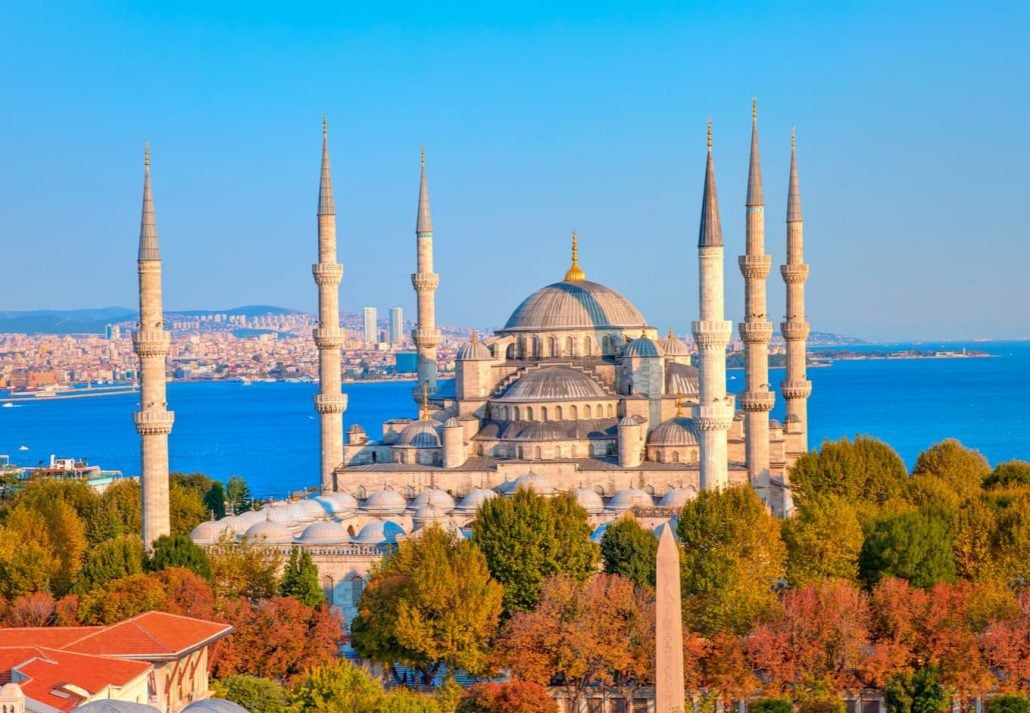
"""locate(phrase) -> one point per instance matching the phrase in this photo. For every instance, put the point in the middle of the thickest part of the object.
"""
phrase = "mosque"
(575, 393)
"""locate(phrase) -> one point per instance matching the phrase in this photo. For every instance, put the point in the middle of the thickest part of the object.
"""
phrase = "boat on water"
(8, 404)
(245, 381)
(23, 448)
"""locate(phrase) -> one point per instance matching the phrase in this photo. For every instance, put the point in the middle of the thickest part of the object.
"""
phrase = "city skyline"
(617, 158)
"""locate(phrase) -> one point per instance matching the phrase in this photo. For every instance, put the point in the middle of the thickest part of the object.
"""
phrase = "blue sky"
(538, 117)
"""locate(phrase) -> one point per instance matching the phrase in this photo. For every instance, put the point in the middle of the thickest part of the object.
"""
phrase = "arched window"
(611, 412)
(588, 346)
(536, 453)
(570, 347)
(534, 347)
(519, 452)
(675, 456)
(600, 411)
(509, 353)
(543, 413)
(515, 413)
(529, 413)
(573, 412)
(409, 492)
(586, 411)
(558, 413)
(361, 492)
(553, 346)
(607, 345)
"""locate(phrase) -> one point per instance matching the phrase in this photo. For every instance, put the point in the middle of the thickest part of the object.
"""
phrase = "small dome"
(311, 508)
(682, 380)
(436, 497)
(631, 420)
(642, 347)
(674, 432)
(428, 513)
(554, 383)
(270, 532)
(326, 532)
(385, 502)
(475, 499)
(452, 423)
(284, 513)
(536, 482)
(589, 500)
(211, 531)
(598, 532)
(775, 425)
(214, 705)
(244, 520)
(338, 502)
(674, 346)
(474, 351)
(677, 497)
(356, 428)
(629, 499)
(379, 532)
(420, 434)
(108, 705)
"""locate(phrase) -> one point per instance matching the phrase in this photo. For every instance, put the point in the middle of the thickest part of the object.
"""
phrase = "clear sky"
(537, 117)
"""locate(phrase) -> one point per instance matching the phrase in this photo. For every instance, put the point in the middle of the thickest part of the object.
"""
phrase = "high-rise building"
(112, 331)
(396, 326)
(371, 332)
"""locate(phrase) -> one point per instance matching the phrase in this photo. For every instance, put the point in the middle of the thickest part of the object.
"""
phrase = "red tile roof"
(54, 637)
(151, 635)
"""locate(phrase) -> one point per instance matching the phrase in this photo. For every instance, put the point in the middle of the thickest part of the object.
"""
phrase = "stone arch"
(574, 412)
(534, 346)
(362, 493)
(558, 413)
(543, 413)
(515, 413)
(536, 454)
(676, 456)
(600, 411)
(588, 346)
(586, 411)
(611, 411)
(509, 352)
(570, 346)
(552, 346)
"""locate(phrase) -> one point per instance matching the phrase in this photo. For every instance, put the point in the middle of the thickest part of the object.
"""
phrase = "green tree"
(26, 565)
(255, 694)
(961, 468)
(1011, 551)
(120, 511)
(916, 692)
(629, 550)
(770, 705)
(431, 603)
(300, 579)
(863, 471)
(402, 700)
(1007, 704)
(975, 547)
(732, 558)
(1012, 473)
(527, 538)
(337, 687)
(930, 491)
(194, 483)
(917, 546)
(243, 569)
(118, 557)
(214, 500)
(186, 508)
(823, 539)
(55, 526)
(179, 551)
(238, 494)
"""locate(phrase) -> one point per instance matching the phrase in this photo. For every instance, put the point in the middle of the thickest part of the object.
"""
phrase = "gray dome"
(642, 347)
(631, 420)
(420, 434)
(286, 513)
(326, 532)
(475, 499)
(630, 498)
(474, 351)
(379, 532)
(682, 380)
(428, 513)
(678, 497)
(214, 705)
(338, 502)
(311, 507)
(536, 482)
(452, 423)
(674, 432)
(554, 383)
(674, 346)
(246, 519)
(270, 533)
(589, 500)
(385, 501)
(113, 706)
(578, 304)
(436, 497)
(210, 531)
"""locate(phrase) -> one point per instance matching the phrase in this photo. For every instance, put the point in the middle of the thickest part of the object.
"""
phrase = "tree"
(244, 569)
(336, 687)
(629, 550)
(916, 546)
(300, 579)
(975, 544)
(402, 700)
(54, 539)
(431, 603)
(510, 697)
(1011, 542)
(179, 551)
(214, 500)
(32, 609)
(916, 692)
(173, 590)
(118, 557)
(1007, 704)
(186, 508)
(194, 483)
(731, 559)
(770, 705)
(27, 563)
(527, 538)
(961, 468)
(865, 471)
(238, 494)
(1012, 473)
(823, 539)
(120, 512)
(255, 694)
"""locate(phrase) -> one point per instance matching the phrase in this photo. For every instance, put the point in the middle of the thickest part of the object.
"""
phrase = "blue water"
(268, 432)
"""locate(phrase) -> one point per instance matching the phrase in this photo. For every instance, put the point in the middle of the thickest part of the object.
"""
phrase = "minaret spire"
(575, 273)
(714, 410)
(756, 330)
(330, 403)
(153, 420)
(796, 387)
(425, 336)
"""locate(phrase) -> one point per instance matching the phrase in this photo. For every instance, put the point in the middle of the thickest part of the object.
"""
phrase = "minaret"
(330, 403)
(756, 331)
(154, 420)
(796, 387)
(714, 411)
(425, 335)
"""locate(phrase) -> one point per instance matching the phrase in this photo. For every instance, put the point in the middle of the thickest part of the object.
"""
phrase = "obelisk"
(669, 689)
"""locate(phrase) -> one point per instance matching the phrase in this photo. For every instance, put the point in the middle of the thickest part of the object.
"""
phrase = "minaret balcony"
(709, 334)
(756, 401)
(794, 274)
(755, 267)
(755, 332)
(794, 331)
(153, 423)
(327, 273)
(717, 416)
(797, 389)
(151, 342)
(425, 281)
(328, 338)
(426, 338)
(330, 403)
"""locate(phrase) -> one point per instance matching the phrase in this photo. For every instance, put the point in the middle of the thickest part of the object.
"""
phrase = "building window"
(558, 413)
(586, 411)
(588, 346)
(543, 413)
(570, 347)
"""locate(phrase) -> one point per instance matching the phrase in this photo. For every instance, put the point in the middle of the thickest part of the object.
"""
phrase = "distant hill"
(93, 321)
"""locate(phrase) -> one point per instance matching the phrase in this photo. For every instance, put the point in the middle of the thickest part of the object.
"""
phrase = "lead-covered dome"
(269, 532)
(326, 532)
(643, 347)
(385, 502)
(420, 434)
(630, 498)
(379, 532)
(575, 304)
(554, 383)
(674, 432)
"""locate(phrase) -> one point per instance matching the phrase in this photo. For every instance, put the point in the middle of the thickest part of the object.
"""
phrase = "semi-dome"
(574, 304)
(326, 532)
(436, 497)
(589, 500)
(338, 502)
(385, 501)
(677, 497)
(379, 532)
(420, 434)
(643, 347)
(270, 533)
(674, 346)
(210, 531)
(475, 499)
(536, 482)
(674, 432)
(554, 383)
(682, 380)
(630, 498)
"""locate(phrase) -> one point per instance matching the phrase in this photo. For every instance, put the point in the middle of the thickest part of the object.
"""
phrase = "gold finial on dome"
(475, 336)
(424, 411)
(679, 404)
(671, 335)
(574, 273)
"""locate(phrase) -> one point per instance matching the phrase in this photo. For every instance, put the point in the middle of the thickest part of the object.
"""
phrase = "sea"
(268, 431)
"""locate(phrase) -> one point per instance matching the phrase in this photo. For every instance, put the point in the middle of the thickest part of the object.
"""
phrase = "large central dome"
(574, 304)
